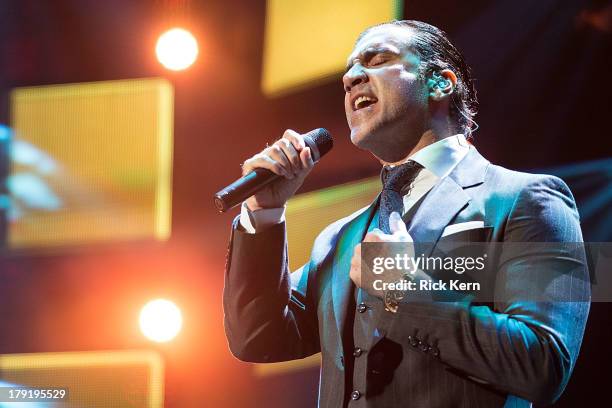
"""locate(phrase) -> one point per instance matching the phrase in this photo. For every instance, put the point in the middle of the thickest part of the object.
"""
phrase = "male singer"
(410, 101)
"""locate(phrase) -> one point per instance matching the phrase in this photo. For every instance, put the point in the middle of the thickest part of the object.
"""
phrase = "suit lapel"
(446, 199)
(352, 234)
(440, 206)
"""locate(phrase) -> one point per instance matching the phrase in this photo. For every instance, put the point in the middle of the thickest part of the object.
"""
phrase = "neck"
(440, 127)
(427, 138)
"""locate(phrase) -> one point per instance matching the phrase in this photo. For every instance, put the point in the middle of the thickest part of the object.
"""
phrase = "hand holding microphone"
(271, 177)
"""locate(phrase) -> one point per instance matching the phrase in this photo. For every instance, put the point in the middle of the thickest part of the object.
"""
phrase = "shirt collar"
(442, 156)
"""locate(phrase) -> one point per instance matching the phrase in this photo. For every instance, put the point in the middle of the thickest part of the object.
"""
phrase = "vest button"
(355, 395)
(362, 307)
(357, 352)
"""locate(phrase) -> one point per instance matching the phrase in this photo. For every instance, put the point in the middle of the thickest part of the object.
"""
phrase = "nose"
(354, 76)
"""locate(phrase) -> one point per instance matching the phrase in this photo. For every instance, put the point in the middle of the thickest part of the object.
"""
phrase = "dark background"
(542, 73)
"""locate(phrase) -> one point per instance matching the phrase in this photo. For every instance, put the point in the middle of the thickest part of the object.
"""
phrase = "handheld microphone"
(320, 142)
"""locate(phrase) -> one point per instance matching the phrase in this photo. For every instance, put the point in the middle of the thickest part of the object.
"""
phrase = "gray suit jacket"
(436, 354)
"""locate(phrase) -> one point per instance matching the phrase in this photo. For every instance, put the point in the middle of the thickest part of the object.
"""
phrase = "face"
(386, 101)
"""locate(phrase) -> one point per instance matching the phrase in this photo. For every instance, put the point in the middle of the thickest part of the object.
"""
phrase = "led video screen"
(298, 50)
(90, 162)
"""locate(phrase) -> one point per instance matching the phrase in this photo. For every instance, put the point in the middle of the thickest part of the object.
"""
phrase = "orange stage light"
(160, 320)
(176, 49)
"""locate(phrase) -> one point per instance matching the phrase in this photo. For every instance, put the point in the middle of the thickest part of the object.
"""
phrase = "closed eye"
(378, 59)
(373, 57)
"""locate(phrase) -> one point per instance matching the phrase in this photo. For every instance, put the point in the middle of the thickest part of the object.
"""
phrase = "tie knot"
(401, 176)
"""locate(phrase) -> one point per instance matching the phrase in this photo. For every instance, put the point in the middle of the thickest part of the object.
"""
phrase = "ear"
(441, 84)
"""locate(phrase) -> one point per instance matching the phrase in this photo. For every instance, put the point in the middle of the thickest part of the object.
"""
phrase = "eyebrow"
(371, 51)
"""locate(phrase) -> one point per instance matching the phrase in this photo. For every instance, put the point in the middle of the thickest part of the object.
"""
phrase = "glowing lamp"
(176, 49)
(160, 320)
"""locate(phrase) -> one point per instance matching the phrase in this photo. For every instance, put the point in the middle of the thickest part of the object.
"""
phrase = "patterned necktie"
(397, 182)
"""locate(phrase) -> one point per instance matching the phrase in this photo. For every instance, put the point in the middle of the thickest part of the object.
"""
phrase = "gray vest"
(364, 371)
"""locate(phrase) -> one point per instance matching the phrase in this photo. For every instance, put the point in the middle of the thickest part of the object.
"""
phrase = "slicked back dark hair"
(438, 53)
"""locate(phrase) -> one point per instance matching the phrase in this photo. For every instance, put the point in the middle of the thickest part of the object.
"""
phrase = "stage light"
(176, 49)
(160, 320)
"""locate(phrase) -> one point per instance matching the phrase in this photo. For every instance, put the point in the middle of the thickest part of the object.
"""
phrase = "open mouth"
(363, 102)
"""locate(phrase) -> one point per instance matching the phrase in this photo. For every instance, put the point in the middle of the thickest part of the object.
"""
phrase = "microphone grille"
(319, 140)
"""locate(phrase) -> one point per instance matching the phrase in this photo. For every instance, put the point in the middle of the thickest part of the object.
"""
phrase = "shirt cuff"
(253, 221)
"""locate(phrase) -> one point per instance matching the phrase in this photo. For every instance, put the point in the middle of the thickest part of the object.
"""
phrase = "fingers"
(264, 161)
(398, 230)
(287, 157)
(306, 159)
(295, 149)
(295, 138)
(277, 153)
(396, 224)
(375, 235)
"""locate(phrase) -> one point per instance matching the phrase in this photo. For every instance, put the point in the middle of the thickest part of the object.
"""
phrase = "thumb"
(396, 224)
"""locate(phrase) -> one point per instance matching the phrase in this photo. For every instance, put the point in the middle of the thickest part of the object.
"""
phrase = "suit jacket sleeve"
(519, 347)
(267, 318)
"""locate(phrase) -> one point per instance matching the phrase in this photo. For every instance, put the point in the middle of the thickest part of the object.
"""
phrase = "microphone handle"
(243, 188)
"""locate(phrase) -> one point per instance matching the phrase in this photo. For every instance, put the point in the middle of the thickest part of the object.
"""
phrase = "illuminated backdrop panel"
(308, 41)
(90, 162)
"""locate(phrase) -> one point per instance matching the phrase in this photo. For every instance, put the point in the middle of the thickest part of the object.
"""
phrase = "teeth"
(362, 99)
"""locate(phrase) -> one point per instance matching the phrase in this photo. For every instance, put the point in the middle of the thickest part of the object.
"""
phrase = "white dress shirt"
(438, 160)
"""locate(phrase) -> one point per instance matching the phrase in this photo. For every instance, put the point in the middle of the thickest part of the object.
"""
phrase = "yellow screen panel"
(90, 162)
(94, 379)
(308, 41)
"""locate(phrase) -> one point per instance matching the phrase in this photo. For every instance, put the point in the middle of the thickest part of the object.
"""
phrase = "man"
(410, 101)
